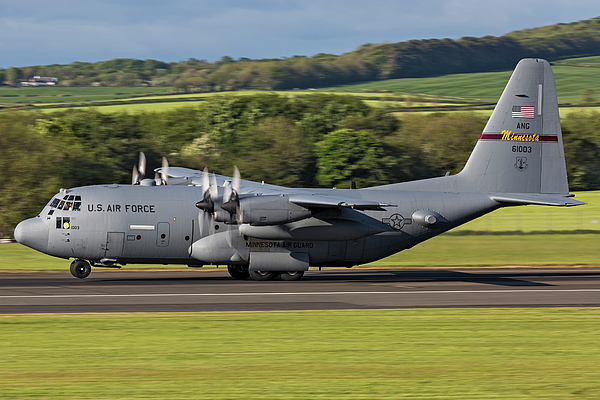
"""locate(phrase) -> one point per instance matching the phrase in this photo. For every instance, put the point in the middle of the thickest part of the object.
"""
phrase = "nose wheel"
(80, 269)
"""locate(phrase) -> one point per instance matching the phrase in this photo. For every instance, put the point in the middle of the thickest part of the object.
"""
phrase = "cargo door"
(114, 244)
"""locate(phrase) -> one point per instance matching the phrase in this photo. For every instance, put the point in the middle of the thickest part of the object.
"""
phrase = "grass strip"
(500, 250)
(383, 354)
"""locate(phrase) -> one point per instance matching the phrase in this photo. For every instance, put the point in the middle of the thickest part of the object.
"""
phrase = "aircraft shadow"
(499, 278)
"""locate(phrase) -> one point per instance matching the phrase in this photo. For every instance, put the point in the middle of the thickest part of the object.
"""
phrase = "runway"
(214, 290)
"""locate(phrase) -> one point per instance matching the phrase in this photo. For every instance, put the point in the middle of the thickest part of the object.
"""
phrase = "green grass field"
(533, 353)
(488, 86)
(540, 218)
(63, 94)
(592, 61)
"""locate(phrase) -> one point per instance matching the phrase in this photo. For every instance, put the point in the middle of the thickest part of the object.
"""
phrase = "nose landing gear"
(80, 269)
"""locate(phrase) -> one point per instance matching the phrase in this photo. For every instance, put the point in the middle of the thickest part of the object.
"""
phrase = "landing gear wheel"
(263, 275)
(80, 269)
(291, 275)
(239, 272)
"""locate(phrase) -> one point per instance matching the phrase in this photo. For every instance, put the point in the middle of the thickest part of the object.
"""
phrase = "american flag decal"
(523, 112)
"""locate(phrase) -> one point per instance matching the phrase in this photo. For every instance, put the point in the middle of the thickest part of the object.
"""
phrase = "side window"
(63, 222)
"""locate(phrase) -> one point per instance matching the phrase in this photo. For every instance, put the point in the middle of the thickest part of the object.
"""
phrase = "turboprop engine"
(264, 210)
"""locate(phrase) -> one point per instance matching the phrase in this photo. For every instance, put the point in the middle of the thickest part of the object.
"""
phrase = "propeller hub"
(206, 205)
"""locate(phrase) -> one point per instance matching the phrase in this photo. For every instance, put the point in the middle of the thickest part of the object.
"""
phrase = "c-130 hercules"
(265, 231)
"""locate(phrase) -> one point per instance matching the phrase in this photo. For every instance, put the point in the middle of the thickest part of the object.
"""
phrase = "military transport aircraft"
(264, 231)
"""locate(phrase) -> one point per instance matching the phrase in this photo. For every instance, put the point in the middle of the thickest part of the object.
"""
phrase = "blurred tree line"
(311, 141)
(415, 58)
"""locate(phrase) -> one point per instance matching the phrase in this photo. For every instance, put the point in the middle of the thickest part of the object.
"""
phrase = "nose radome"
(33, 233)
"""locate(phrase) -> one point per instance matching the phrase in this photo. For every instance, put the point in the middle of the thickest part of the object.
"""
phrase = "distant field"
(488, 86)
(62, 94)
(415, 93)
(131, 108)
(595, 61)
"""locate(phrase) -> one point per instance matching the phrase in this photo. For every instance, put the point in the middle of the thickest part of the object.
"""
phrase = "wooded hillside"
(415, 58)
(318, 140)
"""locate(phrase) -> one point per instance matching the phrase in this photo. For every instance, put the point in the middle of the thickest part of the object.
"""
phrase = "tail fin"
(521, 148)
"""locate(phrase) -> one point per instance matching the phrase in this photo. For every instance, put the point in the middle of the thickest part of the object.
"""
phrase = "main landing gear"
(242, 272)
(80, 269)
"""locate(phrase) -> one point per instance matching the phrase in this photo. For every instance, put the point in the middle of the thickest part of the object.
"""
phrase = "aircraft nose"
(33, 233)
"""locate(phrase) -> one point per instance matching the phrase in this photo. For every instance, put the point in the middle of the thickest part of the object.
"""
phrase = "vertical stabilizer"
(521, 147)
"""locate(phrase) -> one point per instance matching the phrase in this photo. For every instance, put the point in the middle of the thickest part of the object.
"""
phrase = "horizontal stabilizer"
(520, 199)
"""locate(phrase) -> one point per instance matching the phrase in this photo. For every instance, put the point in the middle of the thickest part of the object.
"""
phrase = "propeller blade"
(227, 190)
(157, 179)
(214, 190)
(164, 173)
(135, 176)
(201, 222)
(142, 165)
(205, 182)
(229, 237)
(236, 179)
(232, 205)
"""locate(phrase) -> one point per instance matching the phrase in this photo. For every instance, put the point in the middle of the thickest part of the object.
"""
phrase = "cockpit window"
(68, 203)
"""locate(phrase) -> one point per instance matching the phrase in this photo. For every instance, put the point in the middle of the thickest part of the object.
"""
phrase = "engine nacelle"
(313, 229)
(271, 210)
(218, 248)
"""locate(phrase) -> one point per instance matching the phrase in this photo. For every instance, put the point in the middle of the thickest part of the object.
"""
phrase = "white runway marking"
(296, 293)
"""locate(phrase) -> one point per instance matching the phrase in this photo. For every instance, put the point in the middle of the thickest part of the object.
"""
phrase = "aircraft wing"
(328, 201)
(180, 172)
(308, 200)
(188, 176)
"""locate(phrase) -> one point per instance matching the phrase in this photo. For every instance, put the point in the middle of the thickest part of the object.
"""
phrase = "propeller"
(209, 196)
(231, 198)
(230, 202)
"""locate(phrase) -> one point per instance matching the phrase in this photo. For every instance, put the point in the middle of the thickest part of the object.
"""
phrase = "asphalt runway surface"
(215, 290)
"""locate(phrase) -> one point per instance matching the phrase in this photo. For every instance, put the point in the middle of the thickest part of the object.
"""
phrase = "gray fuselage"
(159, 224)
